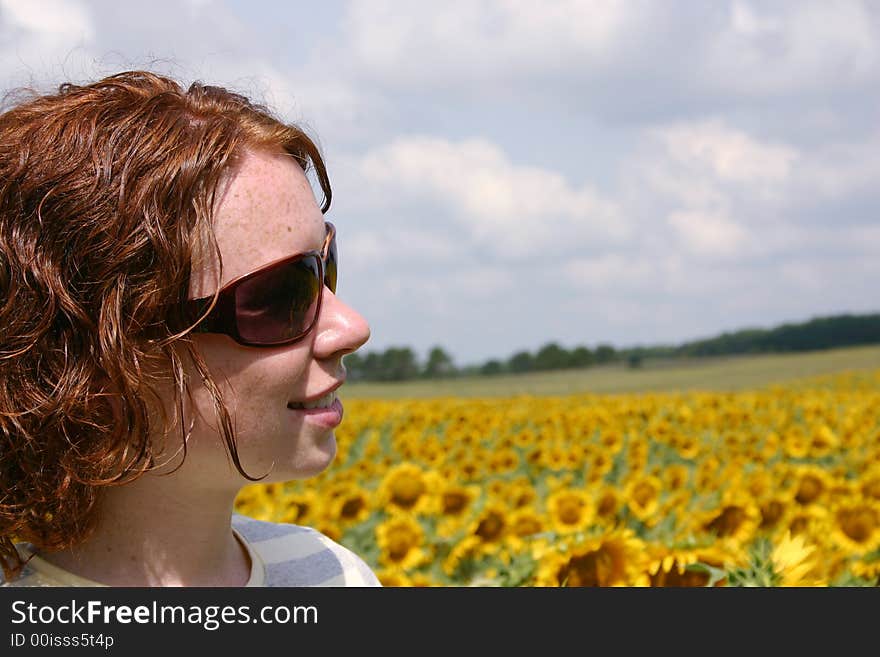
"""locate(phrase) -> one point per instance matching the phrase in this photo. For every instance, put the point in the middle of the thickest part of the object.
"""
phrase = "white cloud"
(611, 56)
(808, 45)
(611, 271)
(41, 36)
(744, 20)
(457, 40)
(723, 186)
(840, 169)
(57, 21)
(709, 235)
(409, 246)
(731, 155)
(514, 209)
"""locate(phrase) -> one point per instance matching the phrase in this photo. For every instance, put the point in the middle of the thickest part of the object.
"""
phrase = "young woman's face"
(268, 211)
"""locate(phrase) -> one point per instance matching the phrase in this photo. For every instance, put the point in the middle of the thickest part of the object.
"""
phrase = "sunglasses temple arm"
(210, 324)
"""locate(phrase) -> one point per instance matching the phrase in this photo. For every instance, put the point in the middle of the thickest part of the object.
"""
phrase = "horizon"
(421, 355)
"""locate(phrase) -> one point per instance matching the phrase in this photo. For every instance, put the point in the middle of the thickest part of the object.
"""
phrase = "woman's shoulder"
(295, 555)
(27, 577)
(37, 572)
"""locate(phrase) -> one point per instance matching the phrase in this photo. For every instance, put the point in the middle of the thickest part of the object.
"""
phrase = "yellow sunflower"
(705, 477)
(407, 487)
(524, 438)
(393, 577)
(675, 476)
(576, 457)
(796, 562)
(613, 559)
(520, 492)
(329, 528)
(642, 495)
(455, 499)
(759, 483)
(610, 441)
(599, 463)
(856, 526)
(570, 510)
(670, 565)
(300, 507)
(489, 527)
(796, 443)
(814, 521)
(503, 461)
(774, 511)
(609, 503)
(471, 468)
(259, 501)
(467, 548)
(401, 542)
(637, 455)
(810, 484)
(869, 485)
(555, 458)
(735, 519)
(432, 452)
(687, 445)
(823, 441)
(523, 526)
(422, 580)
(352, 506)
(768, 447)
(868, 568)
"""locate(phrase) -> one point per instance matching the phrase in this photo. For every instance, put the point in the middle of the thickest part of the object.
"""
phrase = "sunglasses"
(274, 305)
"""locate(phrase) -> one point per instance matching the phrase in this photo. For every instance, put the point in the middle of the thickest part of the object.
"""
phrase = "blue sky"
(508, 173)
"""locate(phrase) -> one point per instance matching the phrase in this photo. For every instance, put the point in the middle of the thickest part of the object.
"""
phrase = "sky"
(508, 173)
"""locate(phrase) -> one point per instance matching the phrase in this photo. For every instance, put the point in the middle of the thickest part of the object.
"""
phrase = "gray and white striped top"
(281, 555)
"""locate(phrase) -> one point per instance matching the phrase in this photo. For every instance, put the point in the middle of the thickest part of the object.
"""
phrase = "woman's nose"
(340, 330)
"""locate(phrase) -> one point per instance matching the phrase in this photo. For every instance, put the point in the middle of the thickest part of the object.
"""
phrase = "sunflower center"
(643, 494)
(811, 488)
(406, 491)
(490, 527)
(674, 578)
(523, 497)
(872, 489)
(454, 502)
(771, 513)
(526, 526)
(728, 521)
(400, 542)
(607, 505)
(592, 569)
(300, 510)
(352, 507)
(858, 524)
(677, 479)
(569, 511)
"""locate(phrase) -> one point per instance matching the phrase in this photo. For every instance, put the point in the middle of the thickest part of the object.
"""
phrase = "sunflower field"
(778, 486)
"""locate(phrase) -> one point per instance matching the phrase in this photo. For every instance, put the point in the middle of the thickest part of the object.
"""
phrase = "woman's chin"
(304, 466)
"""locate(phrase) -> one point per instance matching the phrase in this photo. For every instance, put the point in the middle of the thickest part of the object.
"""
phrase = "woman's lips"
(328, 417)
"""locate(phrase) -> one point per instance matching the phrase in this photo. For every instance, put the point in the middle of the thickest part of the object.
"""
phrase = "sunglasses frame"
(222, 317)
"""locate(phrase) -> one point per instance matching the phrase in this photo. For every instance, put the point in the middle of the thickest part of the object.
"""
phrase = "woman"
(170, 333)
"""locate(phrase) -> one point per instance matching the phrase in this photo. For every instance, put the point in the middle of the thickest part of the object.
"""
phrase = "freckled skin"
(268, 211)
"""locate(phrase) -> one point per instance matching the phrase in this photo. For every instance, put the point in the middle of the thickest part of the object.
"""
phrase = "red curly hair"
(106, 198)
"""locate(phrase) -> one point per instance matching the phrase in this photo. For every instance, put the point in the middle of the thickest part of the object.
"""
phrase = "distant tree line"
(818, 333)
(402, 363)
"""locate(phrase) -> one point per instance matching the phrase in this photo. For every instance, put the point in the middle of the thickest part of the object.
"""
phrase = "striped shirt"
(280, 554)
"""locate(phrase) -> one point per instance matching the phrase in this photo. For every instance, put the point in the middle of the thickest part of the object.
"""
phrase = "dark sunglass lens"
(279, 304)
(331, 266)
